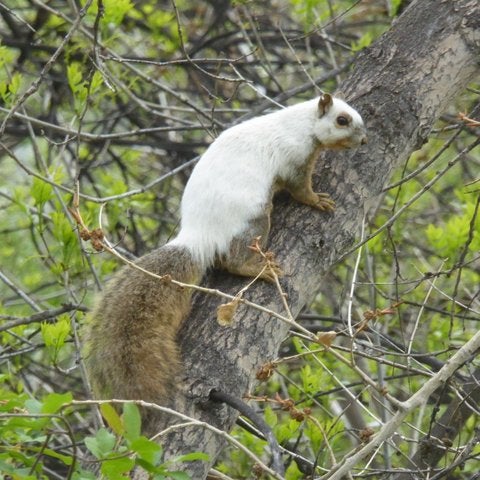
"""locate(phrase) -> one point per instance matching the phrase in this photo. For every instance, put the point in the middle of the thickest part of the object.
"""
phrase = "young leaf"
(33, 405)
(270, 416)
(15, 83)
(147, 450)
(74, 76)
(112, 418)
(191, 457)
(363, 42)
(115, 10)
(55, 334)
(66, 459)
(178, 476)
(132, 421)
(53, 401)
(115, 468)
(101, 444)
(65, 234)
(41, 191)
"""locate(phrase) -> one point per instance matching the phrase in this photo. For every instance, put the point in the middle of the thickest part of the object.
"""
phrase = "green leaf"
(394, 6)
(115, 10)
(4, 93)
(26, 423)
(132, 421)
(178, 476)
(101, 444)
(92, 444)
(147, 450)
(15, 472)
(33, 405)
(15, 83)
(64, 233)
(287, 430)
(270, 416)
(41, 191)
(83, 475)
(54, 401)
(112, 418)
(311, 379)
(75, 77)
(96, 82)
(11, 401)
(55, 334)
(115, 468)
(191, 457)
(6, 56)
(66, 459)
(362, 42)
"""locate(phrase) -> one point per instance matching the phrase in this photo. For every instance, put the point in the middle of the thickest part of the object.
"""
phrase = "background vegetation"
(105, 105)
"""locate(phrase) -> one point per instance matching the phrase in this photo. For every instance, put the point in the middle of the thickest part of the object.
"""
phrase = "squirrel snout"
(364, 141)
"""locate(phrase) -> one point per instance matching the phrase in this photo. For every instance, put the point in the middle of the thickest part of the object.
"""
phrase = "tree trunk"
(401, 84)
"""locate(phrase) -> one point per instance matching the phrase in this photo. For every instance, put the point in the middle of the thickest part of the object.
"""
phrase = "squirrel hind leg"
(253, 266)
(247, 255)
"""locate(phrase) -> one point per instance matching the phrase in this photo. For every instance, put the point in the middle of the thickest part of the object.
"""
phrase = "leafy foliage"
(106, 108)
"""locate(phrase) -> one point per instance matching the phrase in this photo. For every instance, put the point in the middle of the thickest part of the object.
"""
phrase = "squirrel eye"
(342, 121)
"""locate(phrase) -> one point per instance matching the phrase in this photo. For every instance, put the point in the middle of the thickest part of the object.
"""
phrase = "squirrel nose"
(364, 141)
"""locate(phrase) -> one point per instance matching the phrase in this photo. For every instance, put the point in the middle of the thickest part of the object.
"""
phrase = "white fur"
(232, 183)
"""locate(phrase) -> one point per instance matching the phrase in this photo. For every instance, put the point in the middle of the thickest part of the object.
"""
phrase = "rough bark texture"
(401, 84)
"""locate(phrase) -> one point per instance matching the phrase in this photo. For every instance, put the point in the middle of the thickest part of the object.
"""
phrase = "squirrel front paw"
(324, 202)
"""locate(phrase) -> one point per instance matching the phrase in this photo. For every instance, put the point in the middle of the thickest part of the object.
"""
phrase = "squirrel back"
(130, 341)
(236, 177)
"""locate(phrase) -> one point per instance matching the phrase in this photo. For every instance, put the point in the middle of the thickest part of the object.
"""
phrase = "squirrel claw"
(324, 202)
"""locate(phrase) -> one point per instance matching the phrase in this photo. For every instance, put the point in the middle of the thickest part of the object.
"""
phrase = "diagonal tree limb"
(414, 402)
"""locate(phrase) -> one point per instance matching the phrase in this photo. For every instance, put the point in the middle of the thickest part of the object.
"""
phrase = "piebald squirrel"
(130, 340)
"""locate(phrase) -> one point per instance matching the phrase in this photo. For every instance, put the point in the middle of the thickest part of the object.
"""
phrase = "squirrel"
(130, 349)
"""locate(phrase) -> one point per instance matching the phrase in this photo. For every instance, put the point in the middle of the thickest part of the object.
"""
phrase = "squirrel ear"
(324, 104)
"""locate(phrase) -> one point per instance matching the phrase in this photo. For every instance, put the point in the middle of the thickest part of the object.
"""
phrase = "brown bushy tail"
(130, 346)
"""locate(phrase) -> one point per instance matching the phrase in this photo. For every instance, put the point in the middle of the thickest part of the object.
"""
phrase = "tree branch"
(415, 401)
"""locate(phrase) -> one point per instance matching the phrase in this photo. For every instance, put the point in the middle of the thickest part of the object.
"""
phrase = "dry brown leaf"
(226, 311)
(326, 338)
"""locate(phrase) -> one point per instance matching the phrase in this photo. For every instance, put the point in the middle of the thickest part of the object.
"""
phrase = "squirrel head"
(338, 125)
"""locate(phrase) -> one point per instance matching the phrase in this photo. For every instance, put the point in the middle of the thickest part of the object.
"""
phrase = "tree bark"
(401, 84)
